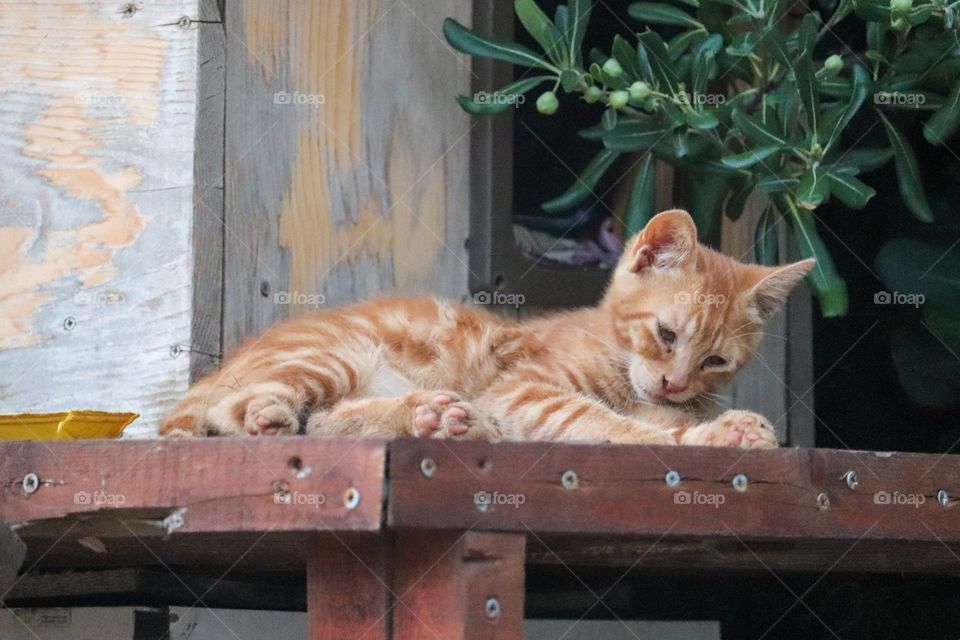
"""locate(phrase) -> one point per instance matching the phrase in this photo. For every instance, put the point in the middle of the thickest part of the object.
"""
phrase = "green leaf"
(706, 203)
(701, 120)
(751, 157)
(466, 41)
(908, 173)
(928, 372)
(826, 283)
(561, 18)
(626, 55)
(658, 13)
(850, 190)
(773, 183)
(609, 119)
(860, 161)
(944, 121)
(756, 132)
(861, 87)
(579, 17)
(872, 10)
(631, 135)
(813, 189)
(585, 184)
(680, 143)
(484, 103)
(679, 44)
(766, 239)
(744, 44)
(538, 25)
(641, 205)
(658, 57)
(570, 80)
(736, 200)
(703, 60)
(808, 90)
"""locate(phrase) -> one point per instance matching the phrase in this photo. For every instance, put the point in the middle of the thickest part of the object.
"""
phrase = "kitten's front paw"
(268, 416)
(442, 414)
(734, 428)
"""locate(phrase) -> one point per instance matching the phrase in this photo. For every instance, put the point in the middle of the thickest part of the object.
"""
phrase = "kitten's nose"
(671, 386)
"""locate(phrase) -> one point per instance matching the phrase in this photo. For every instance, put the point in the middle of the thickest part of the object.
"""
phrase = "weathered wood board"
(98, 105)
(347, 158)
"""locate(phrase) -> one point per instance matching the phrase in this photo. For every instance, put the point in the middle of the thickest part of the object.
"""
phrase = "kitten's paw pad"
(428, 410)
(740, 429)
(269, 417)
(463, 420)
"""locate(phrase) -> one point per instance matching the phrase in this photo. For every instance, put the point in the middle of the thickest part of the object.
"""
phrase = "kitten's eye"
(666, 335)
(714, 361)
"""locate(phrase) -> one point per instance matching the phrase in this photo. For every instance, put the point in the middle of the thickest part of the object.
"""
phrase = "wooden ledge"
(260, 504)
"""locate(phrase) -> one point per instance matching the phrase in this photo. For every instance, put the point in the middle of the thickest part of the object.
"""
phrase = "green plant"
(738, 98)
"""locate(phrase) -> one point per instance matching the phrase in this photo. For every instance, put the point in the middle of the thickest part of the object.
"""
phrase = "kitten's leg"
(733, 428)
(438, 414)
(542, 411)
(272, 402)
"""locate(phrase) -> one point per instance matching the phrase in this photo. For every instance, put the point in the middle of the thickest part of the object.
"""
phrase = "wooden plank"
(208, 170)
(791, 494)
(12, 552)
(174, 487)
(457, 586)
(96, 186)
(347, 588)
(337, 187)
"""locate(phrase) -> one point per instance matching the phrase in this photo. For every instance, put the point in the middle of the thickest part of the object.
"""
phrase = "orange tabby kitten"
(677, 321)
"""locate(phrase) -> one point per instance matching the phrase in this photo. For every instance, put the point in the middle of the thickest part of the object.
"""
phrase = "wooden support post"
(457, 586)
(347, 589)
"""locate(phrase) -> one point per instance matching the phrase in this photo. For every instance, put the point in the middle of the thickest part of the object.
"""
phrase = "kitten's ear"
(668, 241)
(775, 284)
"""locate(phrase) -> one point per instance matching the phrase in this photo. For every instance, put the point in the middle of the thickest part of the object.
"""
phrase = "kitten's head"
(686, 316)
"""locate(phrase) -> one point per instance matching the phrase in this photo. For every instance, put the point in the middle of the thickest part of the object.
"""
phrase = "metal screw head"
(264, 288)
(128, 10)
(943, 498)
(672, 478)
(740, 482)
(569, 480)
(184, 22)
(427, 467)
(30, 483)
(69, 323)
(823, 501)
(850, 477)
(175, 351)
(351, 498)
(492, 608)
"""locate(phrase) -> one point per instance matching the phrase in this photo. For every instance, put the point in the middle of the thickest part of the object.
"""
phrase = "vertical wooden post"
(454, 586)
(347, 589)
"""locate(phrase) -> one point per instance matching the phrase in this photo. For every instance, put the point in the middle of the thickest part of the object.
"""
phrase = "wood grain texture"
(212, 485)
(346, 158)
(792, 494)
(96, 188)
(348, 589)
(444, 580)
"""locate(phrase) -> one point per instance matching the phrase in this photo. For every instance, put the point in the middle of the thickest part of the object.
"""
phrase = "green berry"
(593, 94)
(901, 6)
(639, 90)
(612, 68)
(899, 24)
(834, 63)
(547, 103)
(651, 104)
(619, 99)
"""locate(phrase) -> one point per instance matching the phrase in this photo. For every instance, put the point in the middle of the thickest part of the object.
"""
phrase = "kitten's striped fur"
(676, 323)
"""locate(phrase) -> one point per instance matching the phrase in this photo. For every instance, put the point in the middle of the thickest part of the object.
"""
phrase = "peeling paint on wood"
(96, 186)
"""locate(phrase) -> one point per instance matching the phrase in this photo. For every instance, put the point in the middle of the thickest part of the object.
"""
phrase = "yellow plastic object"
(64, 425)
